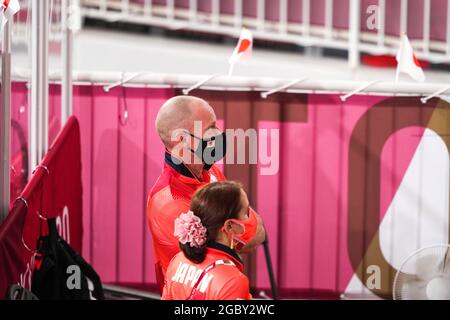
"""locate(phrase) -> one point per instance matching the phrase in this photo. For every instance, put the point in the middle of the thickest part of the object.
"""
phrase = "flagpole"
(230, 70)
(397, 74)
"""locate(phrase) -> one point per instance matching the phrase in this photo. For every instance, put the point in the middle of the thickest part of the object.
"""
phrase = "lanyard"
(205, 271)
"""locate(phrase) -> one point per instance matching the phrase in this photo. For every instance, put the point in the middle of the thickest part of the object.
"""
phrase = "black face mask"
(211, 154)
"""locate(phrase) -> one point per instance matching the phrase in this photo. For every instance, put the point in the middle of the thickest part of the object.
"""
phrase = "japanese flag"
(9, 9)
(243, 50)
(407, 61)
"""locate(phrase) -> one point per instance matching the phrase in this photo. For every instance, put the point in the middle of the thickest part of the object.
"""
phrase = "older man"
(187, 127)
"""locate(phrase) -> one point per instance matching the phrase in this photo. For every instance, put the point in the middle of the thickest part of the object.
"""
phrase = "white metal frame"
(436, 94)
(5, 139)
(284, 87)
(353, 39)
(260, 84)
(20, 31)
(200, 83)
(358, 90)
(304, 33)
(38, 134)
(122, 81)
(67, 47)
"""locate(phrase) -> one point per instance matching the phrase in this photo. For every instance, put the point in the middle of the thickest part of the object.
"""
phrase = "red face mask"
(249, 226)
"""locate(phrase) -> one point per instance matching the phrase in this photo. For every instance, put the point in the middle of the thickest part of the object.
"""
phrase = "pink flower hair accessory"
(189, 228)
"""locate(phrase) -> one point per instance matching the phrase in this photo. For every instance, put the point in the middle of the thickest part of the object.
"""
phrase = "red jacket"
(223, 282)
(170, 196)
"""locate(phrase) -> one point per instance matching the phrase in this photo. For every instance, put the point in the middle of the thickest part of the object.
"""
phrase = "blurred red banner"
(54, 190)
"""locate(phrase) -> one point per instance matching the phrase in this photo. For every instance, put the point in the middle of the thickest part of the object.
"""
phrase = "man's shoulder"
(168, 188)
(163, 186)
(164, 201)
(162, 182)
(216, 174)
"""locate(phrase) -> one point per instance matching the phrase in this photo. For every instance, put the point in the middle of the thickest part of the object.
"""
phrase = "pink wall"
(118, 159)
(305, 204)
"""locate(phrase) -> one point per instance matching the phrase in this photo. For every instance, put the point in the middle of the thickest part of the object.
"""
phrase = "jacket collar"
(183, 172)
(178, 167)
(227, 252)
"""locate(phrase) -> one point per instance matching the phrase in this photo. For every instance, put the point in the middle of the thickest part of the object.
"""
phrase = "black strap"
(52, 230)
(17, 292)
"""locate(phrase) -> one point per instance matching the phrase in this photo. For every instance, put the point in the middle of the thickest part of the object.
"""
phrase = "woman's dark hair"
(213, 204)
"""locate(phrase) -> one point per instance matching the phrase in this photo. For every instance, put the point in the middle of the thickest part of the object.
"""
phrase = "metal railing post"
(5, 140)
(353, 39)
(39, 82)
(66, 55)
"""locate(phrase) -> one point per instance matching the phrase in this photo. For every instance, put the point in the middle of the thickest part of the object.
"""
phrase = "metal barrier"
(327, 24)
(22, 22)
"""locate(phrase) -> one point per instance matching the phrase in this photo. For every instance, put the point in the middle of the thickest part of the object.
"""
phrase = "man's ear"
(177, 137)
(178, 140)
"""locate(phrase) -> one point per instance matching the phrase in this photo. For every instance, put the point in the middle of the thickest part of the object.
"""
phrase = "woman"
(207, 267)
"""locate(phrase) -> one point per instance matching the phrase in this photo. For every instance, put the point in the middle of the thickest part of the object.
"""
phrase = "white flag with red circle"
(243, 50)
(407, 61)
(9, 9)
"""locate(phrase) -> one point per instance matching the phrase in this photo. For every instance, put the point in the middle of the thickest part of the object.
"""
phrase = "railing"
(359, 26)
(369, 26)
(264, 85)
(22, 21)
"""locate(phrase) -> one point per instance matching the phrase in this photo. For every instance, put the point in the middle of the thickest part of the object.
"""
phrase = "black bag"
(60, 273)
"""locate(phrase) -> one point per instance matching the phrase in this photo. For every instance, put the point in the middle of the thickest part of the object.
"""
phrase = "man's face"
(203, 127)
(204, 115)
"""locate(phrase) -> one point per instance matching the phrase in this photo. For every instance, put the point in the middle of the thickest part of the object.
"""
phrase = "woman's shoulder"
(230, 283)
(227, 272)
(175, 261)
